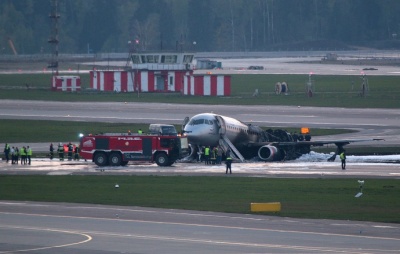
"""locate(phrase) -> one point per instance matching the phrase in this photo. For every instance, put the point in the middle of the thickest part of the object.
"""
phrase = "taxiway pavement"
(34, 227)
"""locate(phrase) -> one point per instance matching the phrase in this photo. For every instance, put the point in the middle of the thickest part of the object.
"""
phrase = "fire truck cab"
(117, 149)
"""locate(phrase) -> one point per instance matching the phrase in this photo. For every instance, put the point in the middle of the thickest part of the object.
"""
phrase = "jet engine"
(269, 153)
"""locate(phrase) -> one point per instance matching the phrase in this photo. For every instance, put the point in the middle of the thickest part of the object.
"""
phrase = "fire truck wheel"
(162, 159)
(115, 159)
(100, 159)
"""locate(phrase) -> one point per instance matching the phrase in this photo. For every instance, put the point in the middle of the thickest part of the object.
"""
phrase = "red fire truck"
(117, 149)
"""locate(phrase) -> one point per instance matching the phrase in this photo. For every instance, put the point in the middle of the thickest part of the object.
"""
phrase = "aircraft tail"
(226, 144)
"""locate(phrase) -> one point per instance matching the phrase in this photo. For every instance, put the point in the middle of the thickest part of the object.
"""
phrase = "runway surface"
(79, 228)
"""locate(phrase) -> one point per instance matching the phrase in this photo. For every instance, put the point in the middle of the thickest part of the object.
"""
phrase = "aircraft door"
(185, 121)
(221, 125)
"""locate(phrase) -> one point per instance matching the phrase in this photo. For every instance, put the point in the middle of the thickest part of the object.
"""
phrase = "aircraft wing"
(273, 150)
(341, 142)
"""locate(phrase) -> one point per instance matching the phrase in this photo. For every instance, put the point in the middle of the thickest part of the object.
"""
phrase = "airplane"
(248, 141)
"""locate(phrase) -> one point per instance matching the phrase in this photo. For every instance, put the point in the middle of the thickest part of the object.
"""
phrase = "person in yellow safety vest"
(228, 162)
(60, 150)
(343, 159)
(207, 155)
(29, 154)
(140, 131)
(23, 155)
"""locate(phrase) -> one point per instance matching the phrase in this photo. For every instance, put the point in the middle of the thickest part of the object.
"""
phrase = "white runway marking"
(88, 238)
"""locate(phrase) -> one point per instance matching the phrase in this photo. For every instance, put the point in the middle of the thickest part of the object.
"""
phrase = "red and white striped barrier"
(144, 81)
(66, 83)
(207, 85)
(161, 81)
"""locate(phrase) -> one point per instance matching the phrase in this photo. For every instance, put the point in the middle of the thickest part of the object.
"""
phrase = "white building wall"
(130, 82)
(95, 75)
(207, 85)
(117, 81)
(185, 85)
(101, 88)
(191, 85)
(220, 85)
(144, 81)
(64, 83)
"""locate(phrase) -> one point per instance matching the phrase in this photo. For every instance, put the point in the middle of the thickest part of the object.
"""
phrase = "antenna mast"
(53, 40)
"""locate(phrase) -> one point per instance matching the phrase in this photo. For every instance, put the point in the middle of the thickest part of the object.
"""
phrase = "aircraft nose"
(193, 136)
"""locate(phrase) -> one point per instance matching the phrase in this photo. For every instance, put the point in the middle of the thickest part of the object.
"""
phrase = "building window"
(187, 59)
(152, 58)
(169, 59)
(136, 59)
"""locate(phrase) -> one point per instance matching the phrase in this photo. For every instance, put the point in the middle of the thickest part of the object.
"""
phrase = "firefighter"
(12, 151)
(7, 151)
(76, 153)
(51, 151)
(70, 150)
(213, 156)
(219, 155)
(16, 154)
(60, 150)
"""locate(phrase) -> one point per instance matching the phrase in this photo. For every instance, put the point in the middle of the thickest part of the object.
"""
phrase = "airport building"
(161, 72)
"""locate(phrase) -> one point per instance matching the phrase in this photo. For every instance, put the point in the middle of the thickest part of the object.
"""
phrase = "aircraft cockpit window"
(209, 122)
(196, 121)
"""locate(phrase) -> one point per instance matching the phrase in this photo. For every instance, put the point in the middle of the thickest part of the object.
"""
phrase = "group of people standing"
(15, 154)
(213, 156)
(71, 151)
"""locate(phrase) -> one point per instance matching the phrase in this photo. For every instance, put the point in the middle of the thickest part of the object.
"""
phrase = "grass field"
(15, 131)
(301, 198)
(330, 91)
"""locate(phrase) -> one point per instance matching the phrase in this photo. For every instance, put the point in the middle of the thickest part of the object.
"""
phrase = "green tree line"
(104, 26)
